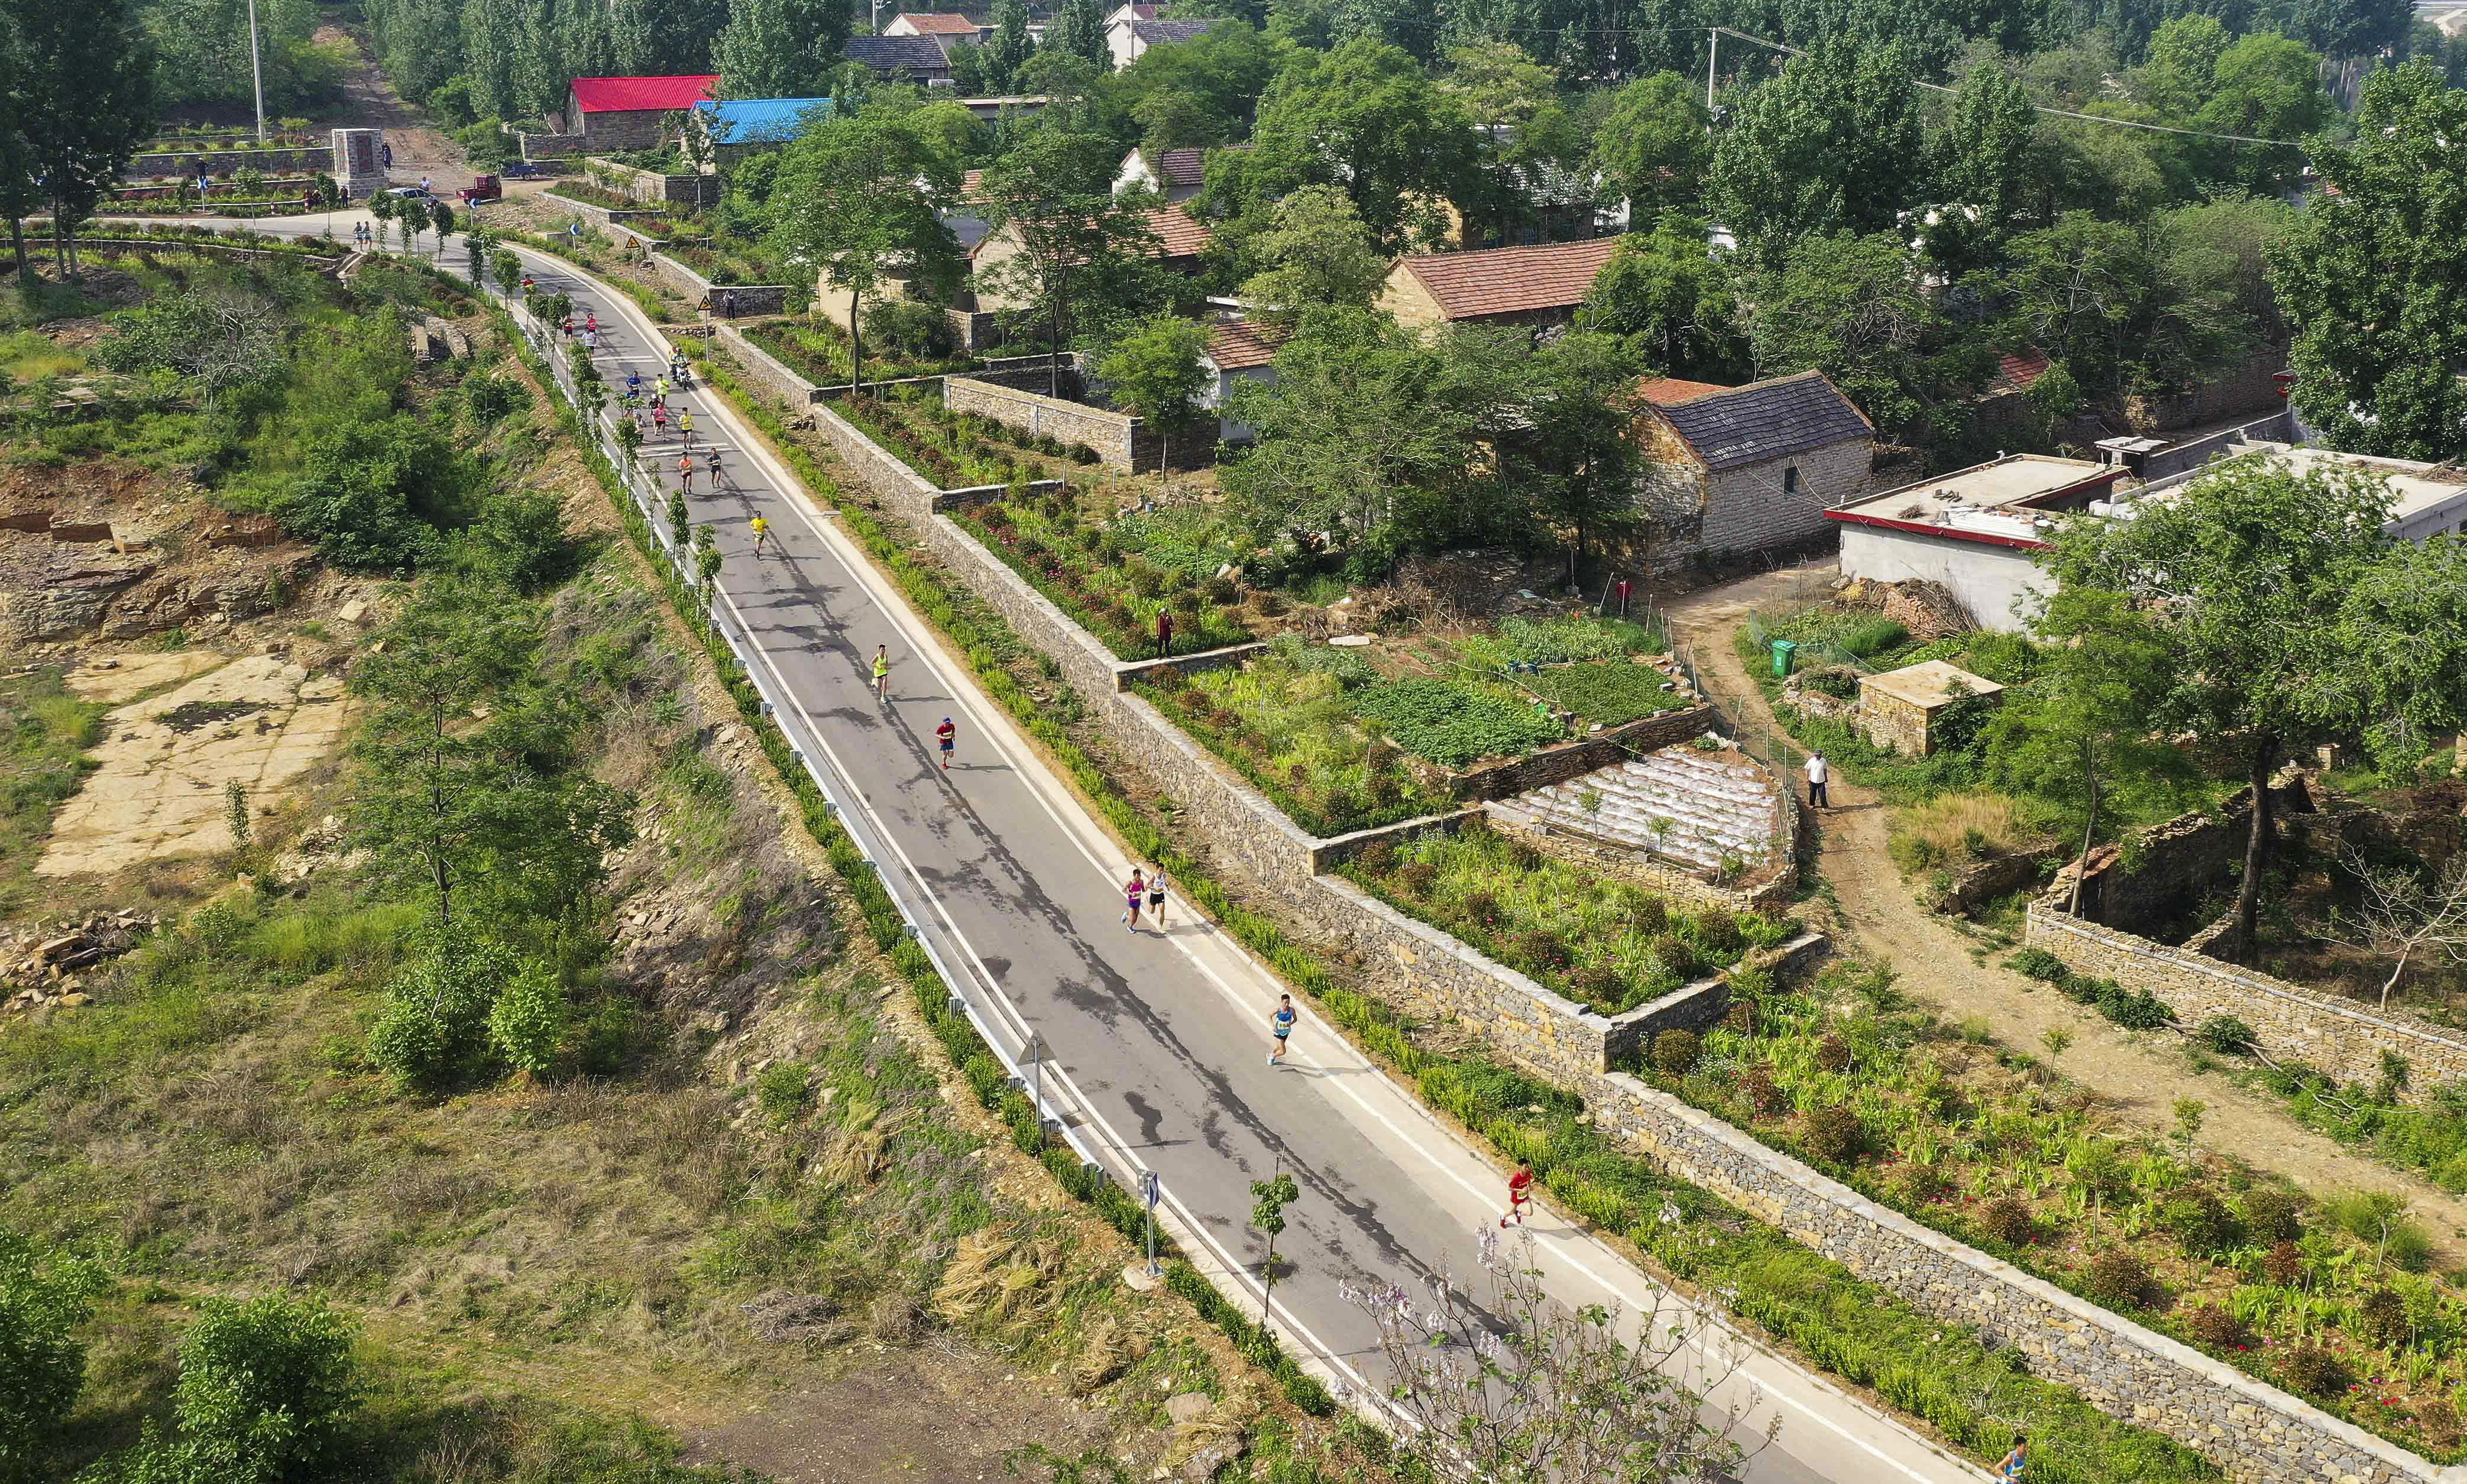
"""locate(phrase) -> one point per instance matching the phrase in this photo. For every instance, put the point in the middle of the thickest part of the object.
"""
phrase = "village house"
(1128, 39)
(910, 59)
(1174, 174)
(607, 115)
(1747, 468)
(1239, 350)
(947, 28)
(1536, 286)
(741, 126)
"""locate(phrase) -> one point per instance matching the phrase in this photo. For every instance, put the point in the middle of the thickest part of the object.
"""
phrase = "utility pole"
(1712, 66)
(256, 70)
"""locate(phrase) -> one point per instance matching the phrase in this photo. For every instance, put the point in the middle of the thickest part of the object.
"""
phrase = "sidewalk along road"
(1158, 1040)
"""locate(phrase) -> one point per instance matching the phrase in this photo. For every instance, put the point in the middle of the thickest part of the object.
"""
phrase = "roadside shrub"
(1920, 1184)
(2200, 1225)
(435, 1023)
(1480, 905)
(1598, 983)
(1675, 1053)
(265, 1389)
(2141, 1011)
(1673, 952)
(2039, 964)
(2119, 1279)
(1378, 859)
(1833, 1053)
(1719, 932)
(1223, 592)
(1762, 1089)
(1652, 914)
(1540, 950)
(2010, 1220)
(2225, 1035)
(2314, 1370)
(44, 1299)
(1740, 1017)
(1523, 857)
(1834, 1136)
(2438, 1419)
(782, 1091)
(2271, 1213)
(2214, 1326)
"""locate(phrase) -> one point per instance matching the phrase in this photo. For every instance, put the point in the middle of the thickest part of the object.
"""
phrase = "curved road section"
(1150, 1049)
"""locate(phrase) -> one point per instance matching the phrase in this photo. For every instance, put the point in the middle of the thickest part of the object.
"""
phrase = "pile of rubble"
(40, 967)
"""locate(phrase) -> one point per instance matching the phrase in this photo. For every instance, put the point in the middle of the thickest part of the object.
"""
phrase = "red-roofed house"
(626, 113)
(1539, 286)
(944, 26)
(1239, 350)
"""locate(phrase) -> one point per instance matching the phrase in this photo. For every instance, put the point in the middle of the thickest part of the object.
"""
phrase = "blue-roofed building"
(739, 126)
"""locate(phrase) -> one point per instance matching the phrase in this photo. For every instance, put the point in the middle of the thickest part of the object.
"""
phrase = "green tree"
(2265, 87)
(2253, 560)
(442, 797)
(1313, 253)
(779, 48)
(434, 1031)
(861, 197)
(1198, 93)
(2079, 732)
(1575, 457)
(1365, 119)
(1983, 156)
(267, 1388)
(86, 100)
(1828, 146)
(1523, 137)
(44, 1298)
(2370, 278)
(1850, 307)
(371, 492)
(1657, 144)
(21, 192)
(2182, 64)
(1053, 196)
(527, 1023)
(1010, 47)
(1081, 32)
(1674, 300)
(1269, 1199)
(1155, 372)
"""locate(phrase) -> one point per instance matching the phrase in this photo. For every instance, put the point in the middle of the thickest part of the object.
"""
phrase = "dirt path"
(371, 102)
(2138, 1074)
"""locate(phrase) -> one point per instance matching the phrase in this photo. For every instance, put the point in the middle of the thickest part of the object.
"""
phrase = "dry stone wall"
(2337, 1036)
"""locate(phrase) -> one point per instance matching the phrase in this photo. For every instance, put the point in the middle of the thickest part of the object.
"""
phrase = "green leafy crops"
(1452, 724)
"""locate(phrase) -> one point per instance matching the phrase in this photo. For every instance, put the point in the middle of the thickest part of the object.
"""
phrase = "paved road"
(1162, 1034)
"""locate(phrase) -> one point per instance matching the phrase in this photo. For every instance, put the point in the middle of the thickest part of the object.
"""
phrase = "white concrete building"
(1975, 533)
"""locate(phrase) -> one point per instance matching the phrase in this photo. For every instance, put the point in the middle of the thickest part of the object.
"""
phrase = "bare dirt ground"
(2138, 1075)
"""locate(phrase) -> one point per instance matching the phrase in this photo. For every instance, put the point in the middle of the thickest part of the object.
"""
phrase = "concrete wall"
(2278, 428)
(2324, 1031)
(1997, 584)
(2236, 390)
(2254, 1432)
(605, 132)
(647, 186)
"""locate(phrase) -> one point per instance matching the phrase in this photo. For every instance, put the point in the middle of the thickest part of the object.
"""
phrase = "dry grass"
(1957, 828)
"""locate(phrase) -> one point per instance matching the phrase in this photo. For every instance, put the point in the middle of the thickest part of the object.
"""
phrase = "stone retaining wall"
(659, 190)
(1608, 746)
(2334, 1035)
(750, 297)
(606, 216)
(768, 371)
(1122, 441)
(305, 160)
(2258, 1433)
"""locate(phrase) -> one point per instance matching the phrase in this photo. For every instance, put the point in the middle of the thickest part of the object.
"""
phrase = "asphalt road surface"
(1163, 1036)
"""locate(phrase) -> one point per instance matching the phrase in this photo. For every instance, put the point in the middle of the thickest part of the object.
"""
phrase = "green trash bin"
(1784, 650)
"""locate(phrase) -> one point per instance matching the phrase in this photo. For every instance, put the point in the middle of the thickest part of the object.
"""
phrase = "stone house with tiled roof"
(1536, 286)
(913, 58)
(609, 114)
(1129, 37)
(1751, 468)
(1239, 350)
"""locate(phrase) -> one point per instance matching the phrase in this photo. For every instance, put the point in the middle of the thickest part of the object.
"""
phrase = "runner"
(661, 387)
(714, 470)
(633, 383)
(882, 673)
(685, 426)
(590, 322)
(684, 472)
(1156, 896)
(761, 527)
(565, 326)
(591, 340)
(1520, 1192)
(1282, 1024)
(1134, 892)
(660, 419)
(2014, 1462)
(948, 736)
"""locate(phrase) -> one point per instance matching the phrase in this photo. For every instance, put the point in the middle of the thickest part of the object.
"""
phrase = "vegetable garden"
(1608, 946)
(1114, 576)
(818, 351)
(2328, 1299)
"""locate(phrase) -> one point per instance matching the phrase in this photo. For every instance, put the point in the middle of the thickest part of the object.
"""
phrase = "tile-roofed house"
(628, 113)
(2018, 370)
(920, 59)
(1172, 174)
(1179, 234)
(1522, 285)
(936, 23)
(1747, 468)
(1662, 390)
(1239, 350)
(1180, 242)
(1127, 39)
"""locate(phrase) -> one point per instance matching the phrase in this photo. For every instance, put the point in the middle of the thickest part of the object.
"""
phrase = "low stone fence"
(767, 370)
(2332, 1035)
(606, 216)
(205, 247)
(298, 160)
(653, 189)
(545, 149)
(750, 297)
(1122, 441)
(947, 500)
(1608, 746)
(2254, 1432)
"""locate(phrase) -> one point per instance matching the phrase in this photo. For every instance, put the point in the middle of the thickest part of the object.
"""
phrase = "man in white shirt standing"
(1817, 773)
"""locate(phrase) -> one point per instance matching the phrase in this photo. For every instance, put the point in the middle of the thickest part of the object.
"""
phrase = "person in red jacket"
(948, 735)
(1520, 1192)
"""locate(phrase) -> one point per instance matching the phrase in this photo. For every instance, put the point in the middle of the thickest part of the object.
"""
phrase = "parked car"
(419, 194)
(483, 188)
(522, 169)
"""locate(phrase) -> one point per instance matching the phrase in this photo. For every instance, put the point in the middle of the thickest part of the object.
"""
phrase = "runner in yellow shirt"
(762, 533)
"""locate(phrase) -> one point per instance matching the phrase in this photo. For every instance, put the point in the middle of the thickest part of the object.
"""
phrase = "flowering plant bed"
(2326, 1301)
(1113, 576)
(1606, 945)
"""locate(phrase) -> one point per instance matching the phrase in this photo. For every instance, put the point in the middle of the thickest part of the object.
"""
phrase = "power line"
(2061, 113)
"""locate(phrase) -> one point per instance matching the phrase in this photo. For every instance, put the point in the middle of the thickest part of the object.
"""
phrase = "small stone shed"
(1906, 709)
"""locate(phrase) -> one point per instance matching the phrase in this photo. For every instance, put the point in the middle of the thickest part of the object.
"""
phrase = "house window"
(1790, 480)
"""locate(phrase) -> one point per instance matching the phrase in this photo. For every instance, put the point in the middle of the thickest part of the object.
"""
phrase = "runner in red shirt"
(948, 736)
(1520, 1192)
